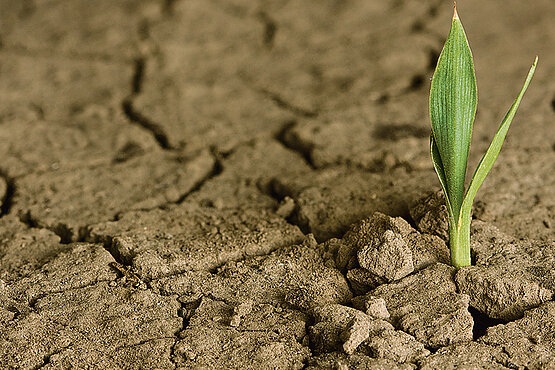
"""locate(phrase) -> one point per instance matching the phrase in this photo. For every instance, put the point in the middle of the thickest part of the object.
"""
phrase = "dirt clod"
(340, 360)
(510, 276)
(286, 207)
(67, 201)
(164, 242)
(466, 355)
(395, 345)
(362, 280)
(376, 308)
(240, 312)
(430, 215)
(296, 275)
(23, 250)
(137, 325)
(427, 306)
(529, 342)
(338, 326)
(391, 249)
(210, 341)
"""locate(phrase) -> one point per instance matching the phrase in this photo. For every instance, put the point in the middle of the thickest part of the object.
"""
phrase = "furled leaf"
(453, 99)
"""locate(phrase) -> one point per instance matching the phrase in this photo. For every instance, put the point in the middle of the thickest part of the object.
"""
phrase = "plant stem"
(459, 242)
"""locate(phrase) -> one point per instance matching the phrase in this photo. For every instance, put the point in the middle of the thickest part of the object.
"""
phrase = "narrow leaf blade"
(453, 100)
(487, 161)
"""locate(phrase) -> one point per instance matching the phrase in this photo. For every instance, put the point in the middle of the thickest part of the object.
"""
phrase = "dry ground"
(159, 160)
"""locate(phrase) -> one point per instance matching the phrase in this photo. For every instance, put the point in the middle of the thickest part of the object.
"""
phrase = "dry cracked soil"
(214, 184)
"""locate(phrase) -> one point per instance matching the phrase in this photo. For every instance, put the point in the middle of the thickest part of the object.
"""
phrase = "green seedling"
(453, 100)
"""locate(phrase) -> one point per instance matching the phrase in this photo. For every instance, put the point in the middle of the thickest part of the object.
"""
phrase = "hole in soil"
(553, 103)
(64, 232)
(27, 220)
(482, 322)
(187, 311)
(294, 219)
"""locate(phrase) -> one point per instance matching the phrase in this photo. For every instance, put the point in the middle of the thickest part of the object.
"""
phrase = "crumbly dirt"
(246, 184)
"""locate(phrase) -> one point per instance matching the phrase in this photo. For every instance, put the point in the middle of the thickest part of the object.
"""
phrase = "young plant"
(453, 99)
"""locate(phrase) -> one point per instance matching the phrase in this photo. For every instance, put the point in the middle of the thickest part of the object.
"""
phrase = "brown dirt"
(223, 184)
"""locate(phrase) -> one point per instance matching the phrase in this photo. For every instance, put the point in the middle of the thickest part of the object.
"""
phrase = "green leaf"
(487, 161)
(453, 99)
(438, 166)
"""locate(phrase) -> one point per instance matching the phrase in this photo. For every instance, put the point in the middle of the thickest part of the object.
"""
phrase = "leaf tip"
(455, 14)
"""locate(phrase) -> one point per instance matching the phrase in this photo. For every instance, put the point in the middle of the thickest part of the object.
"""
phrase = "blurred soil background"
(160, 160)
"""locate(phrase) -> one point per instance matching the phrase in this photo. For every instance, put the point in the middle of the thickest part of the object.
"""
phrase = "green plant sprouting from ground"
(453, 100)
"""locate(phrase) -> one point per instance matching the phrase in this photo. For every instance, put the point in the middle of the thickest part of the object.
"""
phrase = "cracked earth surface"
(197, 184)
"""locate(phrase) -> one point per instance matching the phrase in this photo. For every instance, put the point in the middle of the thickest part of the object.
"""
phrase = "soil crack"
(34, 300)
(9, 191)
(288, 106)
(61, 229)
(291, 141)
(186, 311)
(282, 199)
(137, 117)
(482, 322)
(217, 169)
(46, 359)
(108, 244)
